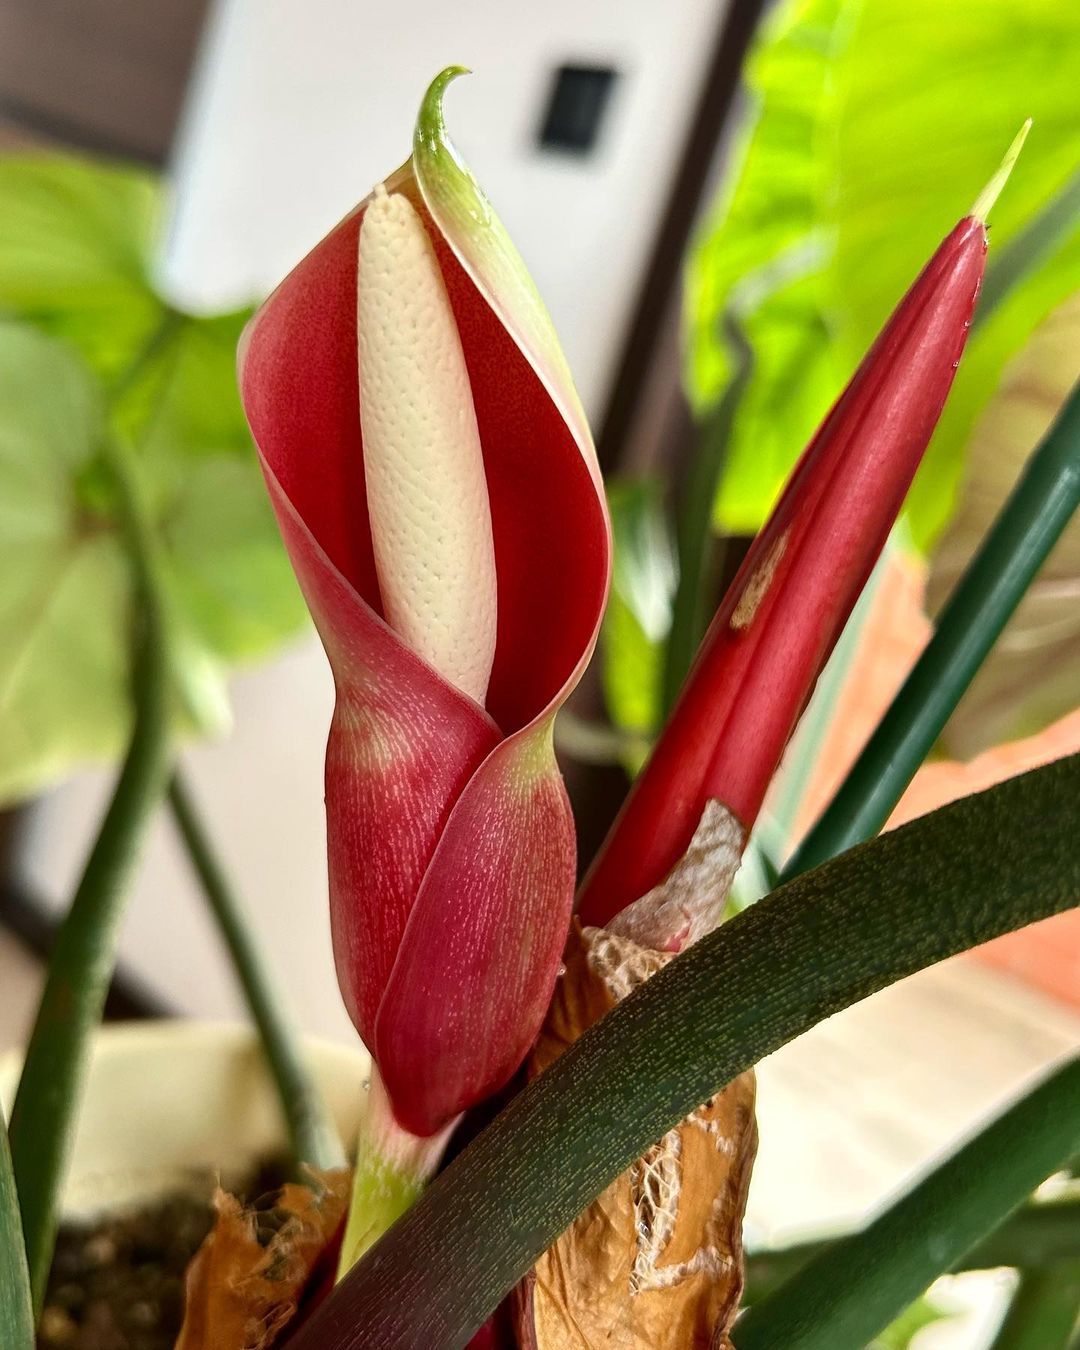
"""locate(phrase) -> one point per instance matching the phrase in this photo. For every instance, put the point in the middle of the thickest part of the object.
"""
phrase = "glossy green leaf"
(16, 1314)
(857, 1286)
(878, 124)
(956, 877)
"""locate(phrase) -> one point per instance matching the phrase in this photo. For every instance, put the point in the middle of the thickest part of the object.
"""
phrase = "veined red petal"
(790, 600)
(481, 952)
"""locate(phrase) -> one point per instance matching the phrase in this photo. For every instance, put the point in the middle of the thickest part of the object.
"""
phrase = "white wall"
(300, 106)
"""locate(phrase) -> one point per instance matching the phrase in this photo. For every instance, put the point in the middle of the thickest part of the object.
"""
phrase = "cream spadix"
(426, 489)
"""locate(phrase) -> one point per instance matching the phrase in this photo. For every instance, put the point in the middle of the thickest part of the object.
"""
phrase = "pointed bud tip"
(990, 193)
(430, 123)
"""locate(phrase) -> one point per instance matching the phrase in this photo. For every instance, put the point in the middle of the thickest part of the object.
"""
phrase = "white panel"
(300, 106)
(303, 105)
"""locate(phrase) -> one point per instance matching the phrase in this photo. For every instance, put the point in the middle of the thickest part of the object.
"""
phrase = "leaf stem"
(57, 1057)
(16, 1311)
(1041, 1233)
(392, 1169)
(1045, 1310)
(857, 1286)
(1028, 526)
(312, 1133)
(957, 877)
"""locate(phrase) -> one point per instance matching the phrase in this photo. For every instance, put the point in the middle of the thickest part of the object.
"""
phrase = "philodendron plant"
(437, 490)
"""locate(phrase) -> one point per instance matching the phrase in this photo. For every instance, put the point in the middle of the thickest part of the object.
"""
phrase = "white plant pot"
(178, 1105)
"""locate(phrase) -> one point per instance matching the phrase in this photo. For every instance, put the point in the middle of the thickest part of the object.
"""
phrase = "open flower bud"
(437, 490)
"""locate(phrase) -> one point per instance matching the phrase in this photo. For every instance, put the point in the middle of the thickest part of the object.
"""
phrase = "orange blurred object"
(1047, 954)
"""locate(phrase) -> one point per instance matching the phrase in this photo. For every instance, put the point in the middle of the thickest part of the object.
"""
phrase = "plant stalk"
(1027, 528)
(392, 1169)
(857, 1286)
(57, 1057)
(16, 1311)
(1042, 1233)
(1045, 1310)
(312, 1133)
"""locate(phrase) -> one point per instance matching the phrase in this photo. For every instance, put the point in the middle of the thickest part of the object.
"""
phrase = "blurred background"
(720, 204)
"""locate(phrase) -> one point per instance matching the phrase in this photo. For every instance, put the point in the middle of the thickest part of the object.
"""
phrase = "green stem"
(1045, 1310)
(392, 1169)
(57, 1057)
(1041, 1233)
(957, 877)
(311, 1131)
(857, 1286)
(1025, 531)
(16, 1310)
(689, 617)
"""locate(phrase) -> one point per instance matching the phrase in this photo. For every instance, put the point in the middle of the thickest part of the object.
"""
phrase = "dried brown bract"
(656, 1261)
(248, 1279)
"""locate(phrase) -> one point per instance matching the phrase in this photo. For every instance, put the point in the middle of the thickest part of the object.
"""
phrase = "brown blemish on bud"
(760, 579)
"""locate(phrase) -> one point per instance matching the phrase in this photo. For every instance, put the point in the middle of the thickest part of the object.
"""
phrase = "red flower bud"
(437, 490)
(785, 609)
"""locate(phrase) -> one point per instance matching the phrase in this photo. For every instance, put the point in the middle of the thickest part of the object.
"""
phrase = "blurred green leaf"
(639, 612)
(877, 125)
(1045, 1310)
(64, 583)
(899, 1334)
(65, 587)
(75, 249)
(1029, 678)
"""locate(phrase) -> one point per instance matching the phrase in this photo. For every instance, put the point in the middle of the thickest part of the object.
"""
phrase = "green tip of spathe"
(990, 193)
(430, 124)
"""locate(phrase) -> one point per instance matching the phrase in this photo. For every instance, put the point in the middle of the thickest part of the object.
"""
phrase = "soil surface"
(118, 1283)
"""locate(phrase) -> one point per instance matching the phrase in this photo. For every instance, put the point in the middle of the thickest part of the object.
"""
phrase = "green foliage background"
(873, 127)
(92, 355)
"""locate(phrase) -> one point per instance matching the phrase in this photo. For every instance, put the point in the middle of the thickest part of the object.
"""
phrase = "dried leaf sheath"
(655, 1262)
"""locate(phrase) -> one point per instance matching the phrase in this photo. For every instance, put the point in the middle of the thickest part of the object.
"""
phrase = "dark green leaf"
(1038, 509)
(1029, 678)
(955, 878)
(16, 1315)
(857, 1286)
